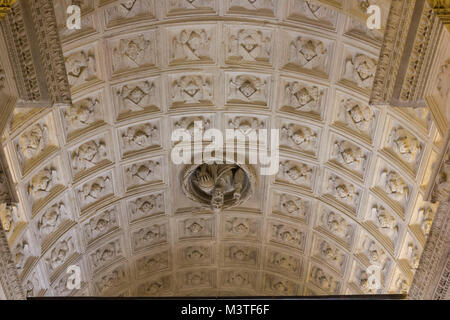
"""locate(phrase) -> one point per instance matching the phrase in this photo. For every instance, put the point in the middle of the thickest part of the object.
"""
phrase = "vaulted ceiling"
(97, 187)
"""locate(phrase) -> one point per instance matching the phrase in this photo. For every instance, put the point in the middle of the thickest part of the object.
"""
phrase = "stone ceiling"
(97, 187)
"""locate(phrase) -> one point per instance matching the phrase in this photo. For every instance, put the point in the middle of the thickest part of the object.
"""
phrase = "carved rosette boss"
(218, 186)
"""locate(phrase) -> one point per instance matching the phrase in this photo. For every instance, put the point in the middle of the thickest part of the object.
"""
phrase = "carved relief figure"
(81, 67)
(299, 174)
(147, 206)
(361, 69)
(101, 224)
(385, 221)
(188, 123)
(426, 216)
(280, 286)
(42, 183)
(247, 88)
(190, 4)
(302, 138)
(253, 4)
(106, 253)
(145, 172)
(191, 45)
(20, 254)
(2, 78)
(324, 281)
(302, 97)
(154, 234)
(413, 255)
(292, 205)
(343, 191)
(155, 287)
(443, 84)
(111, 279)
(278, 260)
(134, 52)
(127, 9)
(196, 228)
(191, 89)
(349, 154)
(401, 285)
(60, 253)
(239, 279)
(137, 96)
(196, 255)
(141, 136)
(356, 115)
(249, 45)
(82, 114)
(331, 254)
(9, 217)
(241, 227)
(246, 124)
(375, 254)
(153, 263)
(287, 235)
(394, 185)
(404, 144)
(308, 54)
(95, 190)
(241, 255)
(218, 185)
(197, 279)
(52, 219)
(32, 142)
(89, 154)
(337, 225)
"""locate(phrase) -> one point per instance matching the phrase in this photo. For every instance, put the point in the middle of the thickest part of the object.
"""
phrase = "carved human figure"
(337, 225)
(375, 253)
(95, 190)
(343, 191)
(331, 255)
(148, 205)
(52, 219)
(59, 254)
(443, 82)
(394, 185)
(286, 262)
(89, 154)
(348, 154)
(216, 181)
(287, 235)
(21, 254)
(302, 97)
(325, 282)
(191, 45)
(292, 205)
(404, 144)
(413, 255)
(299, 137)
(308, 53)
(385, 221)
(426, 219)
(361, 69)
(101, 224)
(82, 114)
(145, 172)
(249, 45)
(298, 174)
(149, 235)
(33, 141)
(42, 183)
(356, 115)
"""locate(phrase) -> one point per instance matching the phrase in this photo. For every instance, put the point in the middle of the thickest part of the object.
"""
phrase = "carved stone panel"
(196, 255)
(322, 279)
(245, 88)
(197, 279)
(193, 228)
(182, 7)
(284, 263)
(288, 235)
(140, 137)
(106, 254)
(291, 206)
(95, 190)
(330, 254)
(192, 45)
(253, 7)
(101, 224)
(242, 279)
(154, 234)
(112, 279)
(146, 206)
(129, 10)
(394, 188)
(359, 70)
(152, 263)
(158, 286)
(137, 97)
(44, 184)
(60, 253)
(296, 173)
(243, 228)
(276, 285)
(235, 254)
(134, 52)
(82, 68)
(344, 192)
(338, 226)
(300, 138)
(52, 218)
(191, 89)
(312, 12)
(248, 45)
(143, 173)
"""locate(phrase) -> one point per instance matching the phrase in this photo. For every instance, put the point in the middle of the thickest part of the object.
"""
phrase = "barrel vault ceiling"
(97, 187)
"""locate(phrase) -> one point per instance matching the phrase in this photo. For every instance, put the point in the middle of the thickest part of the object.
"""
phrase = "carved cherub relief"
(191, 45)
(32, 142)
(96, 189)
(349, 155)
(375, 254)
(191, 89)
(331, 254)
(60, 254)
(247, 88)
(246, 124)
(302, 97)
(285, 234)
(9, 217)
(82, 114)
(106, 253)
(155, 287)
(239, 279)
(356, 116)
(299, 174)
(337, 225)
(81, 67)
(404, 144)
(278, 260)
(196, 255)
(144, 172)
(426, 216)
(52, 219)
(401, 285)
(324, 281)
(153, 263)
(111, 279)
(42, 183)
(188, 123)
(156, 233)
(101, 224)
(385, 221)
(89, 154)
(292, 205)
(394, 186)
(298, 137)
(249, 45)
(280, 286)
(147, 206)
(134, 52)
(361, 69)
(343, 191)
(137, 96)
(141, 136)
(197, 279)
(308, 53)
(241, 227)
(240, 255)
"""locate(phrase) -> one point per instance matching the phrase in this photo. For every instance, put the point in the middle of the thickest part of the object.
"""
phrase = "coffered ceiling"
(97, 187)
